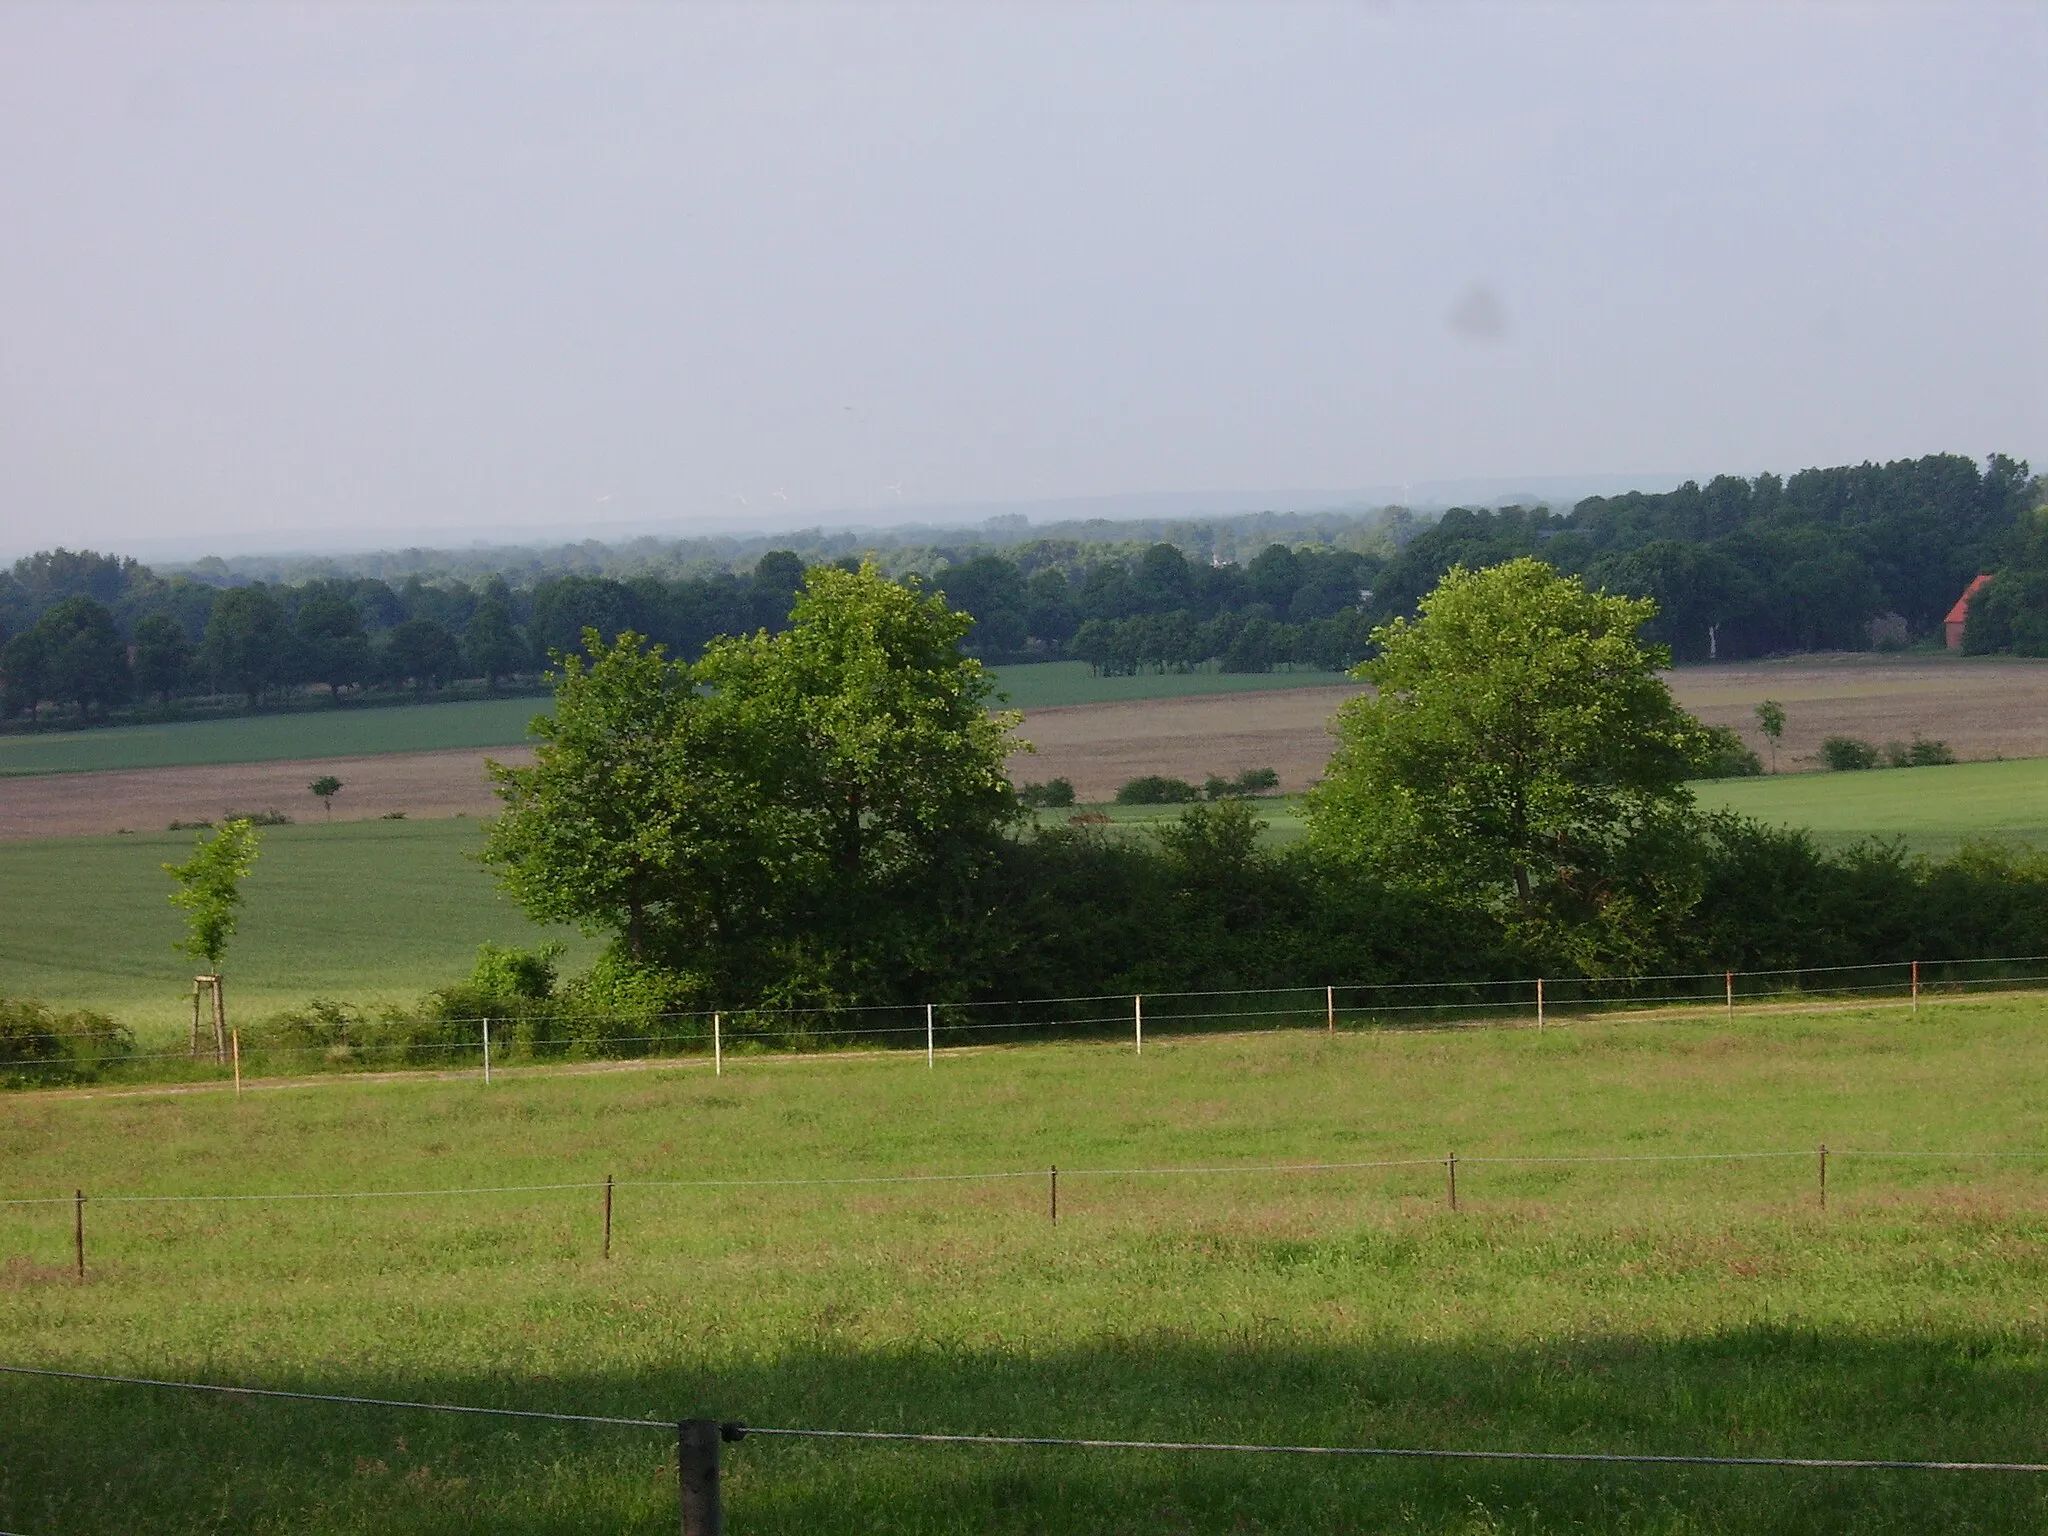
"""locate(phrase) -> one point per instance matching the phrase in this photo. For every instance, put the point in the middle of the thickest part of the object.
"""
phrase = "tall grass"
(1674, 1306)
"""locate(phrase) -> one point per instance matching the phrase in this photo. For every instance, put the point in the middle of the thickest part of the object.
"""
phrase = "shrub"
(1050, 795)
(1253, 781)
(1928, 754)
(39, 1047)
(502, 971)
(1848, 754)
(1726, 756)
(1156, 789)
(270, 818)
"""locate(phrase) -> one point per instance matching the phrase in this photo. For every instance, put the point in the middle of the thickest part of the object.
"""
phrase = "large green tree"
(799, 814)
(1518, 750)
(624, 823)
(879, 767)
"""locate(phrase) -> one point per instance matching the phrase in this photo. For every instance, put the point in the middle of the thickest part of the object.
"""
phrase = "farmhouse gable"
(1959, 615)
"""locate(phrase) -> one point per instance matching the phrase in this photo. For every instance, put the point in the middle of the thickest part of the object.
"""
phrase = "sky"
(330, 274)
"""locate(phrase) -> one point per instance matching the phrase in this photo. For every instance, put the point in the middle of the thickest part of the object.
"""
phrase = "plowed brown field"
(1982, 708)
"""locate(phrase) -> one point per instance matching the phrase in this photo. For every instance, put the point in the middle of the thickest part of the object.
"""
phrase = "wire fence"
(699, 1442)
(543, 1034)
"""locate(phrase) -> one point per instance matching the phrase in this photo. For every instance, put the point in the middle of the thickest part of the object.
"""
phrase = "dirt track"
(1982, 709)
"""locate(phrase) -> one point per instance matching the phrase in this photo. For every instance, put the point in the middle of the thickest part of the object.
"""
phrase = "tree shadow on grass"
(87, 1457)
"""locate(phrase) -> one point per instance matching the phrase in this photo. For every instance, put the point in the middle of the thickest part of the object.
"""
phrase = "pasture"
(1930, 810)
(1655, 1305)
(367, 911)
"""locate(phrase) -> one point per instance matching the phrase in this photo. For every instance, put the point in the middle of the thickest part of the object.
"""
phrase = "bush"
(501, 971)
(1253, 781)
(1847, 754)
(39, 1047)
(1928, 754)
(1726, 756)
(1156, 789)
(1050, 795)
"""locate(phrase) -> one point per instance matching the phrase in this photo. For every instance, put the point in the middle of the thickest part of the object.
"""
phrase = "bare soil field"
(422, 784)
(1982, 708)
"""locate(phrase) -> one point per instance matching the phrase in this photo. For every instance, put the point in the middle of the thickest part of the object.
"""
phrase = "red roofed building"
(1959, 615)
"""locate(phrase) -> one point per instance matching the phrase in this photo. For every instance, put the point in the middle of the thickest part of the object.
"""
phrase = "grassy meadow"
(1931, 810)
(363, 911)
(1666, 1306)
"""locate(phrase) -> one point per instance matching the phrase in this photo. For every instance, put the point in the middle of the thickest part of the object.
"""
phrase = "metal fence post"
(1916, 986)
(697, 1469)
(1138, 1022)
(1728, 981)
(487, 1050)
(717, 1047)
(928, 1048)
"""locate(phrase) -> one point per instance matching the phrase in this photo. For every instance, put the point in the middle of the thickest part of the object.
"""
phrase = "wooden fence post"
(1728, 982)
(697, 1474)
(1053, 1186)
(487, 1049)
(1916, 986)
(78, 1230)
(928, 1046)
(717, 1047)
(1823, 1175)
(1330, 1000)
(236, 1037)
(1539, 1002)
(607, 1215)
(1451, 1174)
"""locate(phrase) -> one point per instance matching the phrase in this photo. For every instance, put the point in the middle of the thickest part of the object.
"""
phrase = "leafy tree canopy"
(1516, 748)
(210, 889)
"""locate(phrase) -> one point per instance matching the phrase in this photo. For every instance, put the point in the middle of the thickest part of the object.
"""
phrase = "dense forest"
(1848, 558)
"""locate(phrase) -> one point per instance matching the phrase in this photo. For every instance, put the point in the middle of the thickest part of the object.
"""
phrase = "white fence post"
(487, 1050)
(717, 1047)
(1539, 1002)
(1138, 1021)
(928, 1035)
(1330, 998)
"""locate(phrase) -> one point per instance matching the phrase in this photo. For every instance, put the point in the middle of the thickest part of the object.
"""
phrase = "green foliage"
(1519, 749)
(791, 813)
(1848, 754)
(40, 1048)
(504, 971)
(1252, 781)
(1921, 752)
(1051, 795)
(210, 889)
(327, 786)
(1725, 755)
(1156, 789)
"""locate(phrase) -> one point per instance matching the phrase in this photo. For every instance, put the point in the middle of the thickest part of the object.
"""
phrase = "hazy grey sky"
(272, 267)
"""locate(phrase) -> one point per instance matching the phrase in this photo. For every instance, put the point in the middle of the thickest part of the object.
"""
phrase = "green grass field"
(364, 911)
(1665, 1306)
(1932, 810)
(352, 732)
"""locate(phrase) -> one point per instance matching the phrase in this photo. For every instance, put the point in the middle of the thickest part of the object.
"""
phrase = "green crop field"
(351, 732)
(364, 911)
(1070, 682)
(275, 738)
(1657, 1305)
(1931, 809)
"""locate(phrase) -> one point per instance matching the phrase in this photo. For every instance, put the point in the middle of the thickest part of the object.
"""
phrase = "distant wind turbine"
(897, 488)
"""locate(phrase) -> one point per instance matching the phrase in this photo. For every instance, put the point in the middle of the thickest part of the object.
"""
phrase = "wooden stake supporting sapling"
(209, 891)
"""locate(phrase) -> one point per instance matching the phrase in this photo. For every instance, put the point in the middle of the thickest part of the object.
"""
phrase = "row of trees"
(822, 817)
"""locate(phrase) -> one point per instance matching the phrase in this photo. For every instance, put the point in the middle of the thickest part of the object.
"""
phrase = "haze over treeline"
(285, 269)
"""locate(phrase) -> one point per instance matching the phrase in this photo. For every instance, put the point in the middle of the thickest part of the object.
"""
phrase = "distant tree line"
(1848, 558)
